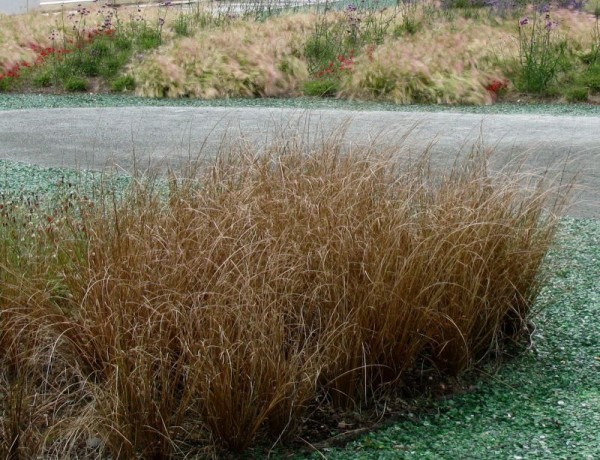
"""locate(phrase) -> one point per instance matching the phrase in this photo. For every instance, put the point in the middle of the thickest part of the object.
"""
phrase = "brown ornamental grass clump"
(225, 309)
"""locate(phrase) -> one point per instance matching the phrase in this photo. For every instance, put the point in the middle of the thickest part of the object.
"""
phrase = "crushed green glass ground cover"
(34, 101)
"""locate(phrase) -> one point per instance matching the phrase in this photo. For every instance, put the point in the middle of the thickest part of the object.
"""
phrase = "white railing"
(47, 3)
(66, 2)
(55, 4)
(24, 6)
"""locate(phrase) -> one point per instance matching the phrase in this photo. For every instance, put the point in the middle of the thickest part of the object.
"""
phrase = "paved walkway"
(161, 136)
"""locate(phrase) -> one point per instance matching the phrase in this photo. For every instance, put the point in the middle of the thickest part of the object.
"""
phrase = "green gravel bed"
(38, 101)
(22, 183)
(544, 404)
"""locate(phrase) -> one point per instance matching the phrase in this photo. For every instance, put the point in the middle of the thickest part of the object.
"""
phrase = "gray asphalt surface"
(145, 137)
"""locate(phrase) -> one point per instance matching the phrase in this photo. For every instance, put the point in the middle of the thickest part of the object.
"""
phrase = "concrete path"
(160, 137)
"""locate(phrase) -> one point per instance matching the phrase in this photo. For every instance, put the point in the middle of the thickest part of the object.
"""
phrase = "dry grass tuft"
(449, 62)
(242, 58)
(17, 33)
(258, 286)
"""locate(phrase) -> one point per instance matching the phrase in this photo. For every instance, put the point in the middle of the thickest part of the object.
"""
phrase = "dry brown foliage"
(224, 309)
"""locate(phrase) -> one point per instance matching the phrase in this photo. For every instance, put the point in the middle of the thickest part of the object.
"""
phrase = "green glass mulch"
(38, 101)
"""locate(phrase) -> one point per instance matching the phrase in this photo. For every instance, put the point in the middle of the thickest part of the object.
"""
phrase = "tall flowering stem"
(540, 51)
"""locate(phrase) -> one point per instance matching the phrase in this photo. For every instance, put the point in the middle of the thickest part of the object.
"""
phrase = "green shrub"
(148, 38)
(100, 48)
(123, 42)
(76, 84)
(124, 83)
(577, 94)
(322, 87)
(183, 25)
(458, 4)
(87, 64)
(112, 64)
(42, 79)
(408, 26)
(7, 84)
(591, 77)
(589, 57)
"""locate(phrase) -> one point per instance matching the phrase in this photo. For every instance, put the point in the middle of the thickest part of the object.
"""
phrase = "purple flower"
(350, 7)
(524, 22)
(577, 4)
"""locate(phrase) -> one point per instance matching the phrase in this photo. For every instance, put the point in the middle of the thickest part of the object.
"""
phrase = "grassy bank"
(440, 53)
(253, 295)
